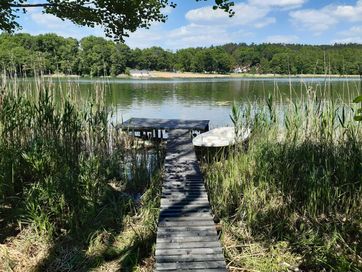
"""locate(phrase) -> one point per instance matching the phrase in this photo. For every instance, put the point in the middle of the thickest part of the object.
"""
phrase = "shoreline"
(191, 75)
(157, 74)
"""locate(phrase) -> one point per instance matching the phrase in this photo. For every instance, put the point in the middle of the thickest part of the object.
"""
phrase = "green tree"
(184, 59)
(95, 56)
(223, 61)
(23, 54)
(120, 59)
(118, 17)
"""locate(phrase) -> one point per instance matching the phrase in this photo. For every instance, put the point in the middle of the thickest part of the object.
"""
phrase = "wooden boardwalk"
(153, 123)
(186, 236)
(156, 128)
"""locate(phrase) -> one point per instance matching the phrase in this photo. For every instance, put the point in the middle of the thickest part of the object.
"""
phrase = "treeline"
(95, 56)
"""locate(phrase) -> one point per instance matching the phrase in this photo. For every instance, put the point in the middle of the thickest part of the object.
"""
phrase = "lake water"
(209, 99)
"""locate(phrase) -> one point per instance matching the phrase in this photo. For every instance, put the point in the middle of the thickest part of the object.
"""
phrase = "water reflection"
(201, 98)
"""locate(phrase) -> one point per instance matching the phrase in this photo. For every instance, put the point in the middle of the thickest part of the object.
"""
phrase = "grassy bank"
(293, 200)
(74, 194)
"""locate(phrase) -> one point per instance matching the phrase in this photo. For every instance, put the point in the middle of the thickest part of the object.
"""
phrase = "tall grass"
(65, 171)
(293, 200)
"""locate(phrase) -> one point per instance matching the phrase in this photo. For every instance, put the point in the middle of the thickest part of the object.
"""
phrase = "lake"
(203, 98)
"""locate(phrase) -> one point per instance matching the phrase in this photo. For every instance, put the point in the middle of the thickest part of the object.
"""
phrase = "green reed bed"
(293, 200)
(74, 194)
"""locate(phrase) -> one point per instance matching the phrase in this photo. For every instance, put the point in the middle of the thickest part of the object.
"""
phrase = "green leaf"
(358, 99)
(358, 118)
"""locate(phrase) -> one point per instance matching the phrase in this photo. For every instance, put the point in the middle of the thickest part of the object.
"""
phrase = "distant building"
(239, 70)
(139, 73)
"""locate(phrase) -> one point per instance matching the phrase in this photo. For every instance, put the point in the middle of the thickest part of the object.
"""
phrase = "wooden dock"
(186, 237)
(157, 128)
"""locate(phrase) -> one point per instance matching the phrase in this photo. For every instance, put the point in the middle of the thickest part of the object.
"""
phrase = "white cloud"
(282, 39)
(194, 35)
(244, 14)
(314, 20)
(47, 23)
(265, 22)
(348, 40)
(319, 20)
(348, 12)
(191, 35)
(205, 27)
(47, 20)
(143, 38)
(277, 3)
(352, 35)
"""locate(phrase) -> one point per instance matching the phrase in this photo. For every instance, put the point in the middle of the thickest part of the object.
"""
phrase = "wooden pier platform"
(186, 237)
(156, 128)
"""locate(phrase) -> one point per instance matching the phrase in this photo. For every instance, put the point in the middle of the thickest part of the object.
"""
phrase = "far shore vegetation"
(22, 54)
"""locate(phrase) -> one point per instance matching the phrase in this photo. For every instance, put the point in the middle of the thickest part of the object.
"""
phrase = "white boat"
(221, 137)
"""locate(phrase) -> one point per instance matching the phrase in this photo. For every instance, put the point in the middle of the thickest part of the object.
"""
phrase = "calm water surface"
(205, 98)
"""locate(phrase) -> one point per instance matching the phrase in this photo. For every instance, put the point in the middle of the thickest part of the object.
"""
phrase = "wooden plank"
(180, 186)
(185, 239)
(184, 183)
(163, 229)
(186, 234)
(195, 258)
(196, 270)
(186, 205)
(197, 244)
(202, 223)
(185, 194)
(188, 189)
(183, 265)
(185, 197)
(180, 211)
(187, 220)
(190, 200)
(185, 214)
(188, 251)
(184, 191)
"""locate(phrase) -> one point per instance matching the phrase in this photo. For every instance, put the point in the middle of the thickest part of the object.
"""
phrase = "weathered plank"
(196, 270)
(195, 258)
(186, 238)
(182, 229)
(185, 205)
(188, 251)
(187, 265)
(196, 223)
(153, 123)
(197, 244)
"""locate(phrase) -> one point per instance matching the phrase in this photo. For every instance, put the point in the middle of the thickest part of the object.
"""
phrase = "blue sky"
(193, 24)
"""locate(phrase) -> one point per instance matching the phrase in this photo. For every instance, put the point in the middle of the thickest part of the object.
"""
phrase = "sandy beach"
(170, 75)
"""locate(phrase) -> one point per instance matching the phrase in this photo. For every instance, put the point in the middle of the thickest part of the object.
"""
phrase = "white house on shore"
(239, 70)
(139, 73)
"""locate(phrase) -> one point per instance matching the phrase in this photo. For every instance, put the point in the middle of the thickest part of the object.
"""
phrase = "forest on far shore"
(95, 56)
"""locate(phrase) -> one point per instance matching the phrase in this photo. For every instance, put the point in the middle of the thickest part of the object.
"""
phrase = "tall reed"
(296, 193)
(59, 157)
